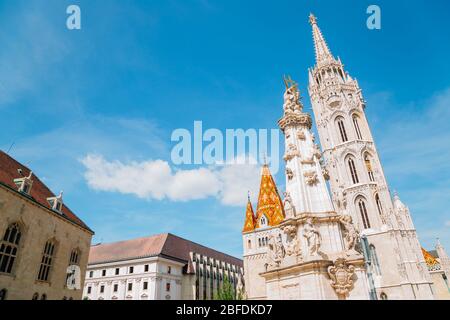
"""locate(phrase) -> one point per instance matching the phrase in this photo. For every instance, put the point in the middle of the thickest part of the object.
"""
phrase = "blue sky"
(111, 94)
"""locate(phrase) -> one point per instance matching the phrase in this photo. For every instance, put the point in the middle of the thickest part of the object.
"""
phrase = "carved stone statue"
(276, 251)
(289, 174)
(313, 238)
(293, 245)
(289, 208)
(351, 235)
(311, 178)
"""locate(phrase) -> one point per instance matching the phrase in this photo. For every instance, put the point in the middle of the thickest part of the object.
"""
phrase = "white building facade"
(160, 267)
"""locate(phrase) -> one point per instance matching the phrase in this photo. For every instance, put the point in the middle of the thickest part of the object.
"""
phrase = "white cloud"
(156, 180)
(447, 223)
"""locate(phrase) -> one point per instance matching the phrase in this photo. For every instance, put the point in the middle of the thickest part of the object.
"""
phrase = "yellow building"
(44, 246)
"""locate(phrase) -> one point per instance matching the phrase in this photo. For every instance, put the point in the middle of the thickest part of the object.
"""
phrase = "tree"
(227, 292)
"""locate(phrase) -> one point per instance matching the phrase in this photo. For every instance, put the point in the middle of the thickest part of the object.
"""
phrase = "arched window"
(363, 212)
(374, 260)
(74, 257)
(357, 129)
(35, 296)
(353, 172)
(263, 221)
(341, 126)
(383, 296)
(46, 261)
(44, 296)
(3, 293)
(9, 247)
(259, 242)
(369, 167)
(249, 244)
(378, 201)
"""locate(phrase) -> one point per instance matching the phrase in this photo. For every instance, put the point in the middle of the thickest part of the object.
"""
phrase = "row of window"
(343, 132)
(130, 271)
(9, 251)
(129, 287)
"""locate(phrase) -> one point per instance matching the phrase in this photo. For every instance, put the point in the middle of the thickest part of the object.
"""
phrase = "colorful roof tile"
(250, 218)
(269, 201)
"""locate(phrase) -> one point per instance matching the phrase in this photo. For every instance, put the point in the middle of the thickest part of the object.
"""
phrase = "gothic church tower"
(357, 181)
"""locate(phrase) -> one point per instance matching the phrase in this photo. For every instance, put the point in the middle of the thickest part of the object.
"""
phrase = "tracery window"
(357, 129)
(374, 259)
(378, 201)
(343, 133)
(353, 172)
(9, 247)
(46, 261)
(363, 212)
(369, 167)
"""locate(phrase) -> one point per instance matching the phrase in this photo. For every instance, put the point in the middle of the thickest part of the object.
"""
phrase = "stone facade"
(438, 264)
(22, 276)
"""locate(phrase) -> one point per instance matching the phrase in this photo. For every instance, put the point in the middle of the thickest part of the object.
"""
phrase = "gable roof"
(39, 191)
(165, 245)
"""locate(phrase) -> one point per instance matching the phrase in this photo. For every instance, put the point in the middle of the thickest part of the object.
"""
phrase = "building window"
(363, 212)
(103, 273)
(35, 296)
(116, 287)
(374, 260)
(379, 207)
(342, 131)
(44, 296)
(169, 269)
(9, 248)
(145, 285)
(117, 271)
(383, 296)
(130, 286)
(168, 286)
(74, 257)
(263, 221)
(353, 172)
(146, 268)
(91, 274)
(47, 261)
(131, 270)
(369, 167)
(102, 289)
(89, 290)
(249, 244)
(3, 293)
(356, 124)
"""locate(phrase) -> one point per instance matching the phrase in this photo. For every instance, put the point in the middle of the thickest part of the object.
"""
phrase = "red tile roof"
(39, 191)
(165, 245)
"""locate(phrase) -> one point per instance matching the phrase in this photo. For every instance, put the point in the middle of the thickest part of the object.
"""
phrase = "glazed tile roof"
(269, 201)
(431, 261)
(165, 245)
(39, 191)
(250, 218)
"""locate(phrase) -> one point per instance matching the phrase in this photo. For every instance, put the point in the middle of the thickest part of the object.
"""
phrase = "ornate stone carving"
(291, 152)
(288, 205)
(313, 238)
(351, 235)
(341, 274)
(293, 245)
(289, 174)
(311, 177)
(325, 174)
(276, 251)
(301, 136)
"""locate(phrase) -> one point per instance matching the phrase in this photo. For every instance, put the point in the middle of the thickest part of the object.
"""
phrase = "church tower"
(357, 180)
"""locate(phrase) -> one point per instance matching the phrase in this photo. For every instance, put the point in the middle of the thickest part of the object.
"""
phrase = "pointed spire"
(250, 219)
(269, 201)
(323, 53)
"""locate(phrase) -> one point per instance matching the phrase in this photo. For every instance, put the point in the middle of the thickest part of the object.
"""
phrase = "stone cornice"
(295, 119)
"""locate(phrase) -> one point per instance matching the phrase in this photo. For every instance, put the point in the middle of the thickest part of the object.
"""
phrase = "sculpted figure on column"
(313, 238)
(350, 233)
(276, 251)
(288, 206)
